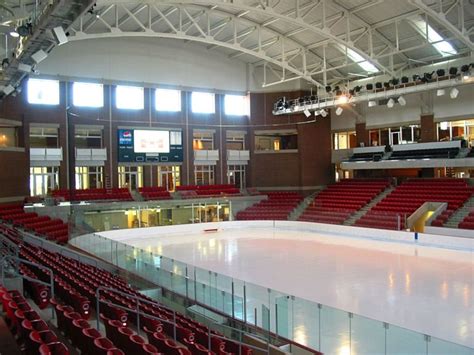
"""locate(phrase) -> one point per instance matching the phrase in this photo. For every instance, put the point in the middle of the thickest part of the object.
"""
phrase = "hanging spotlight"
(386, 85)
(401, 100)
(405, 80)
(358, 88)
(453, 71)
(372, 103)
(369, 87)
(416, 78)
(23, 30)
(390, 103)
(395, 81)
(343, 99)
(339, 110)
(328, 89)
(440, 73)
(454, 93)
(465, 68)
(378, 85)
(307, 113)
(323, 113)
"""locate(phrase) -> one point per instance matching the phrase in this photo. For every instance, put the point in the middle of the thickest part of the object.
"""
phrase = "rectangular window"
(129, 97)
(176, 138)
(88, 138)
(8, 137)
(43, 92)
(168, 100)
(204, 174)
(169, 177)
(87, 95)
(44, 137)
(203, 102)
(235, 141)
(43, 180)
(276, 141)
(130, 177)
(89, 177)
(236, 105)
(344, 140)
(236, 176)
(203, 140)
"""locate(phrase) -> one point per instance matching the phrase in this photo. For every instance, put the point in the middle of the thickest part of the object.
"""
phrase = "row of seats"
(202, 191)
(122, 194)
(52, 229)
(154, 193)
(467, 222)
(392, 211)
(339, 201)
(439, 153)
(277, 206)
(373, 156)
(32, 334)
(76, 284)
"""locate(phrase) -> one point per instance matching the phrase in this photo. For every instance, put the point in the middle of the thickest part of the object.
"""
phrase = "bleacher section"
(339, 201)
(277, 206)
(75, 296)
(154, 193)
(467, 222)
(409, 196)
(370, 156)
(31, 332)
(52, 229)
(199, 191)
(121, 194)
(442, 153)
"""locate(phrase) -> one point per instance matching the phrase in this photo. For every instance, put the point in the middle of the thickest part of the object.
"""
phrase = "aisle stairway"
(298, 211)
(339, 201)
(351, 220)
(460, 214)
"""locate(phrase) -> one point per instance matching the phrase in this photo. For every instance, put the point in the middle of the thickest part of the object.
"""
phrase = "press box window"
(88, 138)
(8, 137)
(44, 137)
(203, 141)
(276, 141)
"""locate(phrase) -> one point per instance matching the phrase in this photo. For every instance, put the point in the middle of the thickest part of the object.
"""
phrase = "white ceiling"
(294, 39)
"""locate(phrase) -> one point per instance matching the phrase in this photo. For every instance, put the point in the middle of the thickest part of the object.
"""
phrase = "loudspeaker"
(59, 35)
(39, 56)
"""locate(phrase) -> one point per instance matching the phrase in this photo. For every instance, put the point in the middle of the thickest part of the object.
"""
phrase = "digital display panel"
(151, 141)
(150, 146)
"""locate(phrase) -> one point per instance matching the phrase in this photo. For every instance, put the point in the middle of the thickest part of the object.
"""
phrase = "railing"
(318, 326)
(172, 322)
(16, 267)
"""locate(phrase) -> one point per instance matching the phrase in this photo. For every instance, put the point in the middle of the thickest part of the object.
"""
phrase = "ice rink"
(426, 289)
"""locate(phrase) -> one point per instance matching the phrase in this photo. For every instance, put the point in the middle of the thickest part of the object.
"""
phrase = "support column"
(428, 128)
(362, 134)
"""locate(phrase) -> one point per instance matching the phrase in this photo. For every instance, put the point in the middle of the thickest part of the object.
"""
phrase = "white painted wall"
(462, 107)
(147, 60)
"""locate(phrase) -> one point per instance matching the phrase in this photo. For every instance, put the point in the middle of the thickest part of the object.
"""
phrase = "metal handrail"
(20, 260)
(173, 322)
